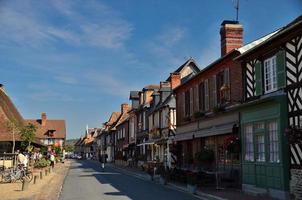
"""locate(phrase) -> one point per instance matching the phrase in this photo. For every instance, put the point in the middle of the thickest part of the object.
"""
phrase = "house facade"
(271, 116)
(121, 134)
(50, 132)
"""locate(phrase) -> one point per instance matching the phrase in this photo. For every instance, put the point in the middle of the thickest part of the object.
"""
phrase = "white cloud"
(171, 36)
(102, 27)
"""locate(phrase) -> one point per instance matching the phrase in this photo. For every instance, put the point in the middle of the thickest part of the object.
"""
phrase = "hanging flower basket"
(294, 135)
(232, 144)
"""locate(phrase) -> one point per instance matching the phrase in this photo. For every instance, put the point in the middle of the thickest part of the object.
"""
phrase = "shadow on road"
(127, 186)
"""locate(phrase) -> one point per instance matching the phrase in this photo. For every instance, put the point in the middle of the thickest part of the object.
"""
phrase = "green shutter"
(258, 77)
(280, 61)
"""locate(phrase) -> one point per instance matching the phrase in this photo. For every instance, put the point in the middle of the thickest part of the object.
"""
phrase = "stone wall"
(296, 183)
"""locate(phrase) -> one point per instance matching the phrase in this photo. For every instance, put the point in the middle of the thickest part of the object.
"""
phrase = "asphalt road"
(85, 180)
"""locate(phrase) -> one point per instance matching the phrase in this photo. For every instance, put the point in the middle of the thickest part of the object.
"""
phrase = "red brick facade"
(235, 87)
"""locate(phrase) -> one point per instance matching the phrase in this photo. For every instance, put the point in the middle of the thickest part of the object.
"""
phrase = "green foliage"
(57, 149)
(42, 163)
(28, 134)
(205, 156)
(69, 148)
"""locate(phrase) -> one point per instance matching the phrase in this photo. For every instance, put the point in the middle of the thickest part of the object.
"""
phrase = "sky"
(77, 60)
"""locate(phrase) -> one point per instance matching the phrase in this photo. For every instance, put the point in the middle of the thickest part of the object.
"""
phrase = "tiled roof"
(179, 69)
(42, 131)
(8, 112)
(151, 87)
(274, 36)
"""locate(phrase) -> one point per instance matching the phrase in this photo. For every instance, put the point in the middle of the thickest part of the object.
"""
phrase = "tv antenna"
(237, 9)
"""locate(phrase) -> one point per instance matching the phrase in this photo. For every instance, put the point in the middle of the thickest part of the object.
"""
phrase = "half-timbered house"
(272, 113)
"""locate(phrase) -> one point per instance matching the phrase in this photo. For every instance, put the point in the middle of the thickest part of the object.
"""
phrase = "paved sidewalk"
(209, 193)
(46, 189)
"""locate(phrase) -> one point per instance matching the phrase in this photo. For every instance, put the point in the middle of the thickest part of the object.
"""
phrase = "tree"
(28, 134)
(14, 128)
(69, 148)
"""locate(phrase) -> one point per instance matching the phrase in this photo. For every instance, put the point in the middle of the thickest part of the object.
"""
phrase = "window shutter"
(196, 103)
(258, 78)
(281, 76)
(182, 104)
(191, 101)
(214, 88)
(226, 80)
(206, 94)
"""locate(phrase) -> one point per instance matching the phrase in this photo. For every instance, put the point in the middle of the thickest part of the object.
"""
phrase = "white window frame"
(274, 151)
(249, 142)
(270, 74)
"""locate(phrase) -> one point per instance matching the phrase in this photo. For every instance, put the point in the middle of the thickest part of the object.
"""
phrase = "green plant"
(57, 149)
(199, 114)
(42, 163)
(205, 156)
(28, 134)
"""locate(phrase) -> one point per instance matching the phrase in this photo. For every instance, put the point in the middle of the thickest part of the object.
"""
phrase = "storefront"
(265, 158)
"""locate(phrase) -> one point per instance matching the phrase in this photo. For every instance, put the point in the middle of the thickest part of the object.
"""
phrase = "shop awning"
(205, 132)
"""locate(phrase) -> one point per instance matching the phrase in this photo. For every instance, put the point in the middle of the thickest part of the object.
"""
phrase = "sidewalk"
(208, 193)
(46, 189)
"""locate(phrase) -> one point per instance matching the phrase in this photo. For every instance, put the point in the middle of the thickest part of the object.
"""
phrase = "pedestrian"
(21, 158)
(103, 160)
(52, 160)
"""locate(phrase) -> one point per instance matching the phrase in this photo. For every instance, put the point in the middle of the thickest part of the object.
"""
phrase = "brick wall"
(235, 84)
(296, 183)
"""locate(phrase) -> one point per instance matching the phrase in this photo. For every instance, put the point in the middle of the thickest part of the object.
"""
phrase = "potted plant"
(192, 182)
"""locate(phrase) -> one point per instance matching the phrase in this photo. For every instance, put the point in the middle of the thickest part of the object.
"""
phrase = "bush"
(42, 163)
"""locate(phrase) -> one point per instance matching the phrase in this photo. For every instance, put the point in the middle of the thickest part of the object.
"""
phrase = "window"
(201, 96)
(260, 146)
(270, 75)
(273, 142)
(206, 95)
(249, 145)
(187, 103)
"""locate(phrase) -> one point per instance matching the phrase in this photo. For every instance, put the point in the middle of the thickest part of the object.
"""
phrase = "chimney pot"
(231, 33)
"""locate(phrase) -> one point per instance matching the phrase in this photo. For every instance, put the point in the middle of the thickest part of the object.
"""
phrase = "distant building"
(49, 131)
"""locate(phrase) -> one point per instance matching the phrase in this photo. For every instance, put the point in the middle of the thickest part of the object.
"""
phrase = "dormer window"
(270, 75)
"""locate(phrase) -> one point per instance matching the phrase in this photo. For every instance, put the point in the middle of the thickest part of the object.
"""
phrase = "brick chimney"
(124, 108)
(43, 119)
(231, 36)
(175, 80)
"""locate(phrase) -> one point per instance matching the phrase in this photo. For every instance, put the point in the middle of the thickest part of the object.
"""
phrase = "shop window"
(249, 146)
(260, 147)
(273, 142)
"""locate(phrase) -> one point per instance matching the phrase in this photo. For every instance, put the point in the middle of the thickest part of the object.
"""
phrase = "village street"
(86, 180)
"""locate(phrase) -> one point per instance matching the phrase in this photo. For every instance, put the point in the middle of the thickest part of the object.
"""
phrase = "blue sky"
(77, 60)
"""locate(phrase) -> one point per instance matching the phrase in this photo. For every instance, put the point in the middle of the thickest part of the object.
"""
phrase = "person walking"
(52, 160)
(103, 160)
